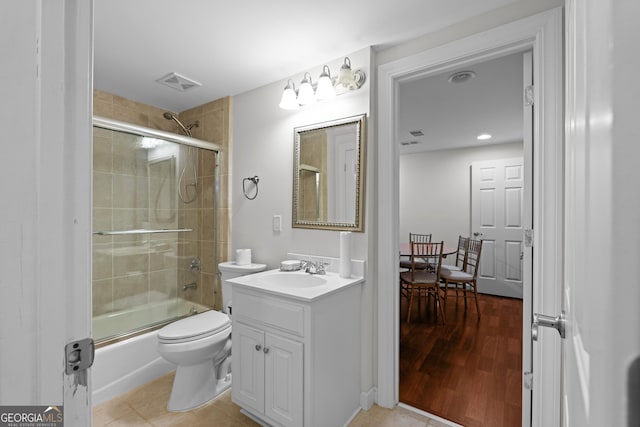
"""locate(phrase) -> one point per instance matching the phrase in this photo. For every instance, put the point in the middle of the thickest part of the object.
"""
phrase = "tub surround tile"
(118, 158)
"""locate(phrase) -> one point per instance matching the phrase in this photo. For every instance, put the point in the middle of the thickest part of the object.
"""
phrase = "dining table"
(405, 250)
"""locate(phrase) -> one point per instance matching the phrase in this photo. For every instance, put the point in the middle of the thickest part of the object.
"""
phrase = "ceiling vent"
(178, 82)
(405, 143)
(416, 133)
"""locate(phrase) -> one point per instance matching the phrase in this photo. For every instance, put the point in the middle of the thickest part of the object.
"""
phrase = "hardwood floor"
(468, 371)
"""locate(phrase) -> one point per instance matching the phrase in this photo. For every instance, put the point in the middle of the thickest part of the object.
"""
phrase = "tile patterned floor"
(147, 406)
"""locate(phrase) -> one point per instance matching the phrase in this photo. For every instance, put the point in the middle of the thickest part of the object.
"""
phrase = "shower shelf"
(141, 231)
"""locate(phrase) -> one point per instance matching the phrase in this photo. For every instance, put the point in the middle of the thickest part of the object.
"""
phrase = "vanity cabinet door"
(283, 380)
(248, 366)
(267, 374)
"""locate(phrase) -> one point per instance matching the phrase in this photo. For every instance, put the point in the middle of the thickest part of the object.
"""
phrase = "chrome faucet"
(313, 268)
(192, 285)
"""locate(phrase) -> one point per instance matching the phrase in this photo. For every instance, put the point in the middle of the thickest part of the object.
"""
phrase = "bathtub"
(132, 362)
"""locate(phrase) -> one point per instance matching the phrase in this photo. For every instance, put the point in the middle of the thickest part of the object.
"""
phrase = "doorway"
(451, 126)
(543, 34)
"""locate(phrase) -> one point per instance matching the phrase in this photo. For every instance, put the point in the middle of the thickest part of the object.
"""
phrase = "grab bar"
(141, 231)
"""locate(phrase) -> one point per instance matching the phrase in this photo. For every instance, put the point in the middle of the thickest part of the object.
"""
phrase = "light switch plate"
(277, 223)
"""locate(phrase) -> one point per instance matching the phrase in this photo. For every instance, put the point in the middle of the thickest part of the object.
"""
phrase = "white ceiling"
(234, 46)
(452, 115)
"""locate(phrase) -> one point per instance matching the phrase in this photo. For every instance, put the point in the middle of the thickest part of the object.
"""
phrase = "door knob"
(558, 323)
(258, 347)
(477, 234)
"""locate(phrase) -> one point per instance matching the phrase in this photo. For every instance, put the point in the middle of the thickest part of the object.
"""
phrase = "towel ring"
(255, 181)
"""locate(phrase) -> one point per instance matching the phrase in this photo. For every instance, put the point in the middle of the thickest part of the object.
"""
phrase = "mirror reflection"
(328, 176)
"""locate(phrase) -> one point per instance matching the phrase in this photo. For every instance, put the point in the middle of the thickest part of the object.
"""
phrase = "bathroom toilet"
(230, 270)
(200, 345)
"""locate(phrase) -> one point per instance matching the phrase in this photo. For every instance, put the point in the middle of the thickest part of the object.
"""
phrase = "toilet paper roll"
(345, 254)
(243, 256)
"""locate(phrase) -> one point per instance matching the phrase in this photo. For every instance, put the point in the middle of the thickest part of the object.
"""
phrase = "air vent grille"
(416, 133)
(178, 82)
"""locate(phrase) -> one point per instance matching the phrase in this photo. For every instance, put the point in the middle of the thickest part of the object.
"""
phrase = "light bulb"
(305, 94)
(325, 88)
(346, 75)
(288, 100)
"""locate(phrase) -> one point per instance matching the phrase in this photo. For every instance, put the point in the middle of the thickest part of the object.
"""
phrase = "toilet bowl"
(200, 345)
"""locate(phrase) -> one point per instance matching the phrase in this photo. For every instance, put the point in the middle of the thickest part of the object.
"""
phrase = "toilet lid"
(196, 326)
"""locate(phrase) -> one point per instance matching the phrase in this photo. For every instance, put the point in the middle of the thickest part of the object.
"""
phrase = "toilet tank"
(230, 270)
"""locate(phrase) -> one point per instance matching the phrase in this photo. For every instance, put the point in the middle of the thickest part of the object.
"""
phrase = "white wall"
(262, 145)
(435, 190)
(511, 12)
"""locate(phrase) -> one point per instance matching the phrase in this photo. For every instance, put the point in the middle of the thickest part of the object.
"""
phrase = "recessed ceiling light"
(461, 76)
(483, 137)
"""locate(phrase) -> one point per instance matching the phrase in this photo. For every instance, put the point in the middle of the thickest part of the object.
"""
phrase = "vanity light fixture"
(326, 88)
(350, 79)
(306, 94)
(289, 101)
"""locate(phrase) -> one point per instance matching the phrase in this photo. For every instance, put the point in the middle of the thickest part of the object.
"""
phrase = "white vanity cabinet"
(296, 361)
(269, 374)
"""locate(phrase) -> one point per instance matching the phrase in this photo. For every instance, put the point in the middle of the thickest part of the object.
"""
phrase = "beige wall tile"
(102, 295)
(130, 291)
(163, 283)
(117, 190)
(102, 190)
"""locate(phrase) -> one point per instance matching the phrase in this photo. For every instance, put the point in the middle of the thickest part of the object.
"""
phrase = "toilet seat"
(194, 327)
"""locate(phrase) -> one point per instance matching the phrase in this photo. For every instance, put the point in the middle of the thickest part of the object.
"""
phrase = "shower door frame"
(116, 125)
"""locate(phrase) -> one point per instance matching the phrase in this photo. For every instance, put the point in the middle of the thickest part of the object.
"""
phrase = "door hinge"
(528, 238)
(527, 380)
(529, 97)
(79, 355)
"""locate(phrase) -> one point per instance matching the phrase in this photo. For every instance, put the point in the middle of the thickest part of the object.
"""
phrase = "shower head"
(187, 129)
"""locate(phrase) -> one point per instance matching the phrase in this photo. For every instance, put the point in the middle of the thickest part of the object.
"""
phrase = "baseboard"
(368, 398)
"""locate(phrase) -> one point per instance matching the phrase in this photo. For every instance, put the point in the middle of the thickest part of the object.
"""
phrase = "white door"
(45, 237)
(601, 352)
(497, 197)
(283, 379)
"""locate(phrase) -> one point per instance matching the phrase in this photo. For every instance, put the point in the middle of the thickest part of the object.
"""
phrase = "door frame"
(46, 237)
(542, 33)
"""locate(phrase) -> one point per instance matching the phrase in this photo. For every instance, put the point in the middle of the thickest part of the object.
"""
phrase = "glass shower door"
(153, 225)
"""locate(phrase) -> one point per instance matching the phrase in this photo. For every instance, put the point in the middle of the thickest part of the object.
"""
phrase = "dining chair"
(419, 238)
(465, 280)
(421, 281)
(460, 255)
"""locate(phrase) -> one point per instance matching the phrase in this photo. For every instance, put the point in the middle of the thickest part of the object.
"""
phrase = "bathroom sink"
(288, 280)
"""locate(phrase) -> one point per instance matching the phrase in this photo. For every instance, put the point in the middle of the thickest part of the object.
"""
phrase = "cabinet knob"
(266, 350)
(258, 347)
